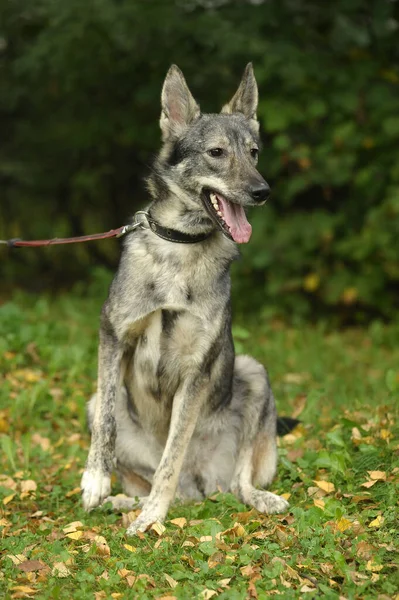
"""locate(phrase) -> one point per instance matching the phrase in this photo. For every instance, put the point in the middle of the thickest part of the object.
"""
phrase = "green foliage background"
(79, 104)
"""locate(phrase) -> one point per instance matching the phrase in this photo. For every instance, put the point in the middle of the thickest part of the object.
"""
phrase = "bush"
(78, 116)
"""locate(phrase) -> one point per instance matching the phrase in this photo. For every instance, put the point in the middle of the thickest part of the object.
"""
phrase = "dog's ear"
(245, 100)
(179, 108)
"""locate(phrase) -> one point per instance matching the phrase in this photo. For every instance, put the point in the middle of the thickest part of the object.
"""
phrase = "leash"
(172, 235)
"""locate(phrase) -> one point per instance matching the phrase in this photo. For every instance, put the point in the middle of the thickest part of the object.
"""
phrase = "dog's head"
(209, 160)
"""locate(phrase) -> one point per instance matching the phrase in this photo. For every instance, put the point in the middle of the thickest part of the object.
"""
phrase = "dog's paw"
(96, 485)
(266, 502)
(122, 502)
(143, 522)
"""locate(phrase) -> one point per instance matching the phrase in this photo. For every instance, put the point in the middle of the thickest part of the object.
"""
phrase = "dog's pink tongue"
(235, 217)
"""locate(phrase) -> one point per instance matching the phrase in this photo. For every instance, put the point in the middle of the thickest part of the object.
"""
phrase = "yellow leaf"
(236, 531)
(370, 566)
(344, 524)
(130, 548)
(172, 582)
(180, 522)
(326, 486)
(377, 475)
(206, 538)
(158, 528)
(74, 526)
(224, 583)
(286, 495)
(319, 503)
(73, 492)
(75, 535)
(368, 484)
(8, 499)
(17, 559)
(28, 486)
(377, 522)
(60, 570)
(311, 282)
(24, 589)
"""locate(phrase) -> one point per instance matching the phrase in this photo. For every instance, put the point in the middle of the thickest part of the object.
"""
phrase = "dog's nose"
(260, 192)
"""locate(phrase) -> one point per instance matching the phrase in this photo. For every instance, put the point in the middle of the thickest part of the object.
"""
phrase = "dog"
(176, 412)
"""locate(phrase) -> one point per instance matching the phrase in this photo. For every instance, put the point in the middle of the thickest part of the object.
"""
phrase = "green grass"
(337, 544)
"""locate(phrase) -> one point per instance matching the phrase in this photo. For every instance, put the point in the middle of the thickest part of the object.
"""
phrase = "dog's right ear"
(179, 108)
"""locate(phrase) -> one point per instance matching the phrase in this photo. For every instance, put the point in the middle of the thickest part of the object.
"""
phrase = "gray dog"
(176, 412)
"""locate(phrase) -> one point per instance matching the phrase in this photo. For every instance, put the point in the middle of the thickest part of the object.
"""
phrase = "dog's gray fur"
(176, 412)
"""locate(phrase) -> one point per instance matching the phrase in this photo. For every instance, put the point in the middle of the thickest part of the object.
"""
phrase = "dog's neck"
(177, 211)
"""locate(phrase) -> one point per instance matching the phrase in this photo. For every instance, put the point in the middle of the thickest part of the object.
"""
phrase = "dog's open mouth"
(230, 217)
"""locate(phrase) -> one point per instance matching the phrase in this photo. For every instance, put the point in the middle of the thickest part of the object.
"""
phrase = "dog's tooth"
(219, 213)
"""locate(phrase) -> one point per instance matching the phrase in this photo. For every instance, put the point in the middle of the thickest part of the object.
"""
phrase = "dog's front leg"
(96, 480)
(186, 406)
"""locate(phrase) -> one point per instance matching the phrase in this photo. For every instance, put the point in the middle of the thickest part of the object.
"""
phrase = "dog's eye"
(216, 152)
(254, 152)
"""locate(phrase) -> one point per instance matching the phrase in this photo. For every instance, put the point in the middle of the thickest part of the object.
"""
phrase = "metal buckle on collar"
(136, 223)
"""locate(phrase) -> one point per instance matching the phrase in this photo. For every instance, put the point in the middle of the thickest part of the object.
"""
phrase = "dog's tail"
(286, 424)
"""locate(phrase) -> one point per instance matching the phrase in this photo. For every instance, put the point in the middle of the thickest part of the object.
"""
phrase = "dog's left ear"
(245, 100)
(179, 108)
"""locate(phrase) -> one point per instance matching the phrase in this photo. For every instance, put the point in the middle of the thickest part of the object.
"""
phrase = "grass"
(340, 468)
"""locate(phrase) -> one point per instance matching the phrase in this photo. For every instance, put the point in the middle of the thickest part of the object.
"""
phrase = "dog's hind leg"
(257, 452)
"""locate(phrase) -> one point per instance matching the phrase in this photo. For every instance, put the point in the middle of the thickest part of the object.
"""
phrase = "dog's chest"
(162, 358)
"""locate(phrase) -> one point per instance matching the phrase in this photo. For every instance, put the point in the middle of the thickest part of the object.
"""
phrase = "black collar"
(172, 235)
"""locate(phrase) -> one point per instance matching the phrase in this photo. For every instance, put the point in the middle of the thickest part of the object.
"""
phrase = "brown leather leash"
(18, 243)
(147, 223)
(119, 232)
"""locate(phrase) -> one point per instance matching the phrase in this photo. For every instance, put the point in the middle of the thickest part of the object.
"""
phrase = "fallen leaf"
(75, 535)
(236, 531)
(248, 571)
(17, 558)
(22, 591)
(130, 548)
(43, 442)
(7, 482)
(8, 499)
(172, 582)
(158, 528)
(216, 559)
(326, 486)
(306, 588)
(73, 492)
(377, 475)
(371, 566)
(74, 526)
(377, 522)
(28, 485)
(102, 547)
(60, 570)
(207, 594)
(368, 484)
(343, 524)
(180, 522)
(252, 592)
(319, 503)
(31, 565)
(365, 550)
